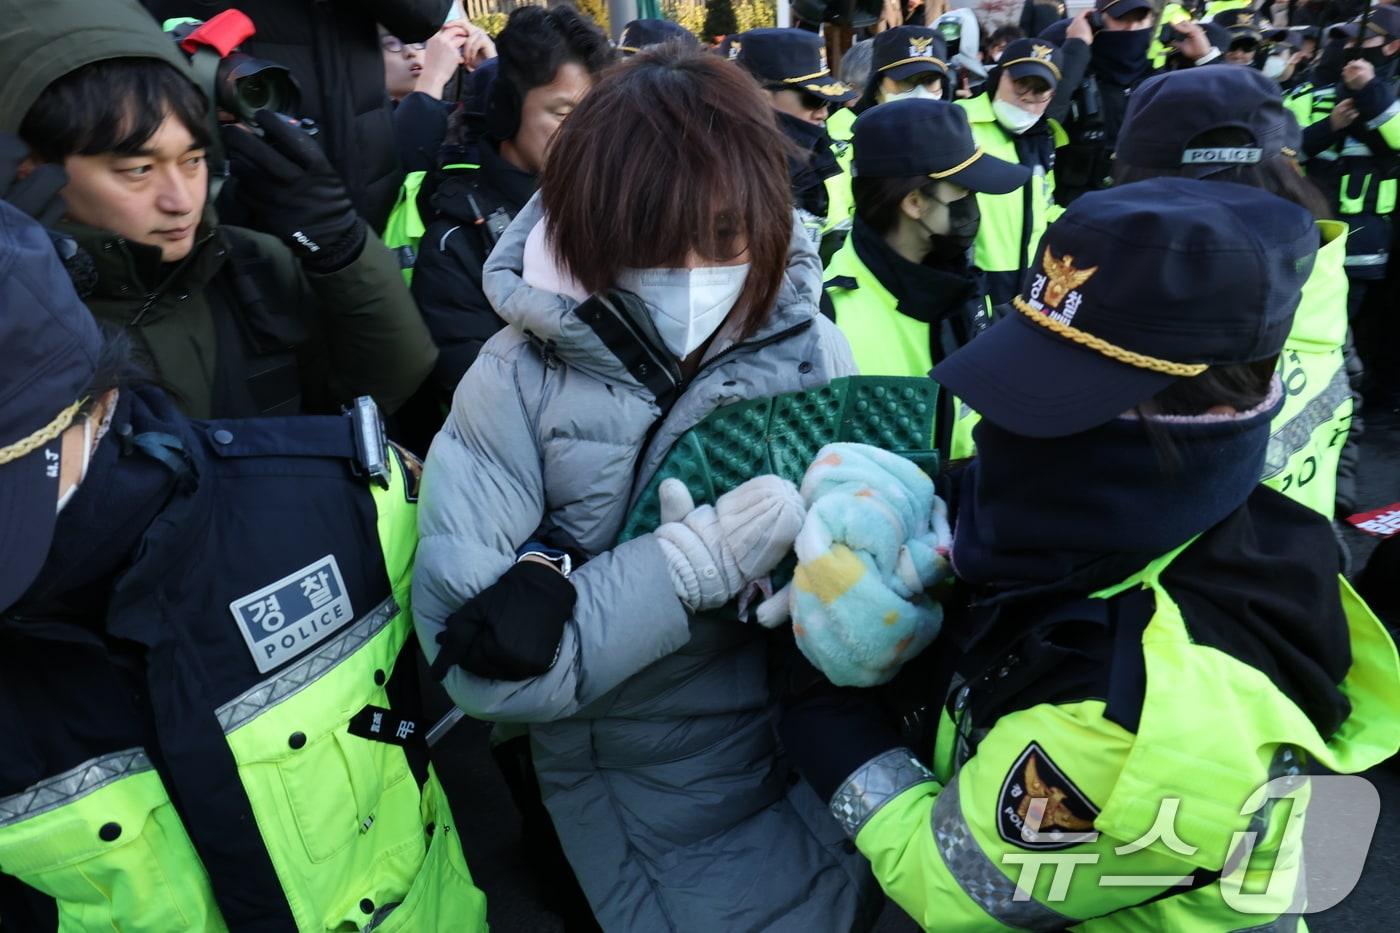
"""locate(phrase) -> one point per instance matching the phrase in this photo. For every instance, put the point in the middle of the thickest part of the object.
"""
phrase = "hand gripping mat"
(782, 434)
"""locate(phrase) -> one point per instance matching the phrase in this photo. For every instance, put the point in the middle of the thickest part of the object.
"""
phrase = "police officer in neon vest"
(1351, 150)
(1008, 121)
(856, 66)
(1145, 636)
(208, 703)
(905, 62)
(902, 288)
(790, 66)
(1229, 124)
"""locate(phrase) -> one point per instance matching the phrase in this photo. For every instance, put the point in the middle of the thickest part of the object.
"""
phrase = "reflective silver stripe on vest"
(875, 784)
(1385, 115)
(1296, 433)
(262, 697)
(979, 876)
(1368, 259)
(52, 793)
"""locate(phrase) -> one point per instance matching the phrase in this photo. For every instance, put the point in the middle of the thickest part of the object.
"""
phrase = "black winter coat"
(333, 51)
(466, 210)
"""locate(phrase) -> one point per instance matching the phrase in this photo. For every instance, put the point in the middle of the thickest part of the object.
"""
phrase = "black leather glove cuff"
(339, 254)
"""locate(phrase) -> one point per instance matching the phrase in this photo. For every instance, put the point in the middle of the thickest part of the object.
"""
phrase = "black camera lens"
(256, 94)
(247, 85)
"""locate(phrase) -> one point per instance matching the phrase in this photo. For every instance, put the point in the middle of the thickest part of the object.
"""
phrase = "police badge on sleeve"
(1040, 808)
(285, 619)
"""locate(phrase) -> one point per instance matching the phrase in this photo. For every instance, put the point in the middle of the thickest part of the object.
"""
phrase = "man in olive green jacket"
(301, 316)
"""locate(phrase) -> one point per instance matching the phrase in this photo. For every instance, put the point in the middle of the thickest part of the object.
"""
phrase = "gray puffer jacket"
(652, 732)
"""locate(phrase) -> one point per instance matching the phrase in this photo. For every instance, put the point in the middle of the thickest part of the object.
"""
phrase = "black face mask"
(1330, 61)
(1383, 63)
(964, 217)
(1120, 56)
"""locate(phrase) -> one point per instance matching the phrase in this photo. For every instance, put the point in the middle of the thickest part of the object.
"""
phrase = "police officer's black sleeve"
(1319, 137)
(1075, 63)
(447, 286)
(420, 125)
(409, 20)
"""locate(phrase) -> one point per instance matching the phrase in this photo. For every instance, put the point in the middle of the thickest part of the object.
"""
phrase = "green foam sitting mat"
(781, 434)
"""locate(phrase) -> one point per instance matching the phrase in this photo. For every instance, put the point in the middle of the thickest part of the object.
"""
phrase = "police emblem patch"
(921, 47)
(285, 619)
(1064, 277)
(1040, 808)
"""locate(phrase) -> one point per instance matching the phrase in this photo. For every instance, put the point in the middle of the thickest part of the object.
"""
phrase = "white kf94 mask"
(686, 305)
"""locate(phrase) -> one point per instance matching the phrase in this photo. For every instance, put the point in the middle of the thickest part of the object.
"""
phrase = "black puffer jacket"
(470, 201)
(333, 50)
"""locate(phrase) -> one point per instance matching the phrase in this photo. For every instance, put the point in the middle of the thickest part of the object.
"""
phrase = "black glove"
(37, 195)
(512, 629)
(290, 189)
(827, 731)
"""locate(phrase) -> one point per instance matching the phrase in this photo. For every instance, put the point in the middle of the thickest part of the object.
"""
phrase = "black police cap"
(904, 138)
(51, 343)
(1134, 288)
(906, 51)
(1032, 58)
(791, 58)
(1169, 111)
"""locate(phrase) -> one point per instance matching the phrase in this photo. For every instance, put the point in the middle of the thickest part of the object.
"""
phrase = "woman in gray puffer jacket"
(650, 726)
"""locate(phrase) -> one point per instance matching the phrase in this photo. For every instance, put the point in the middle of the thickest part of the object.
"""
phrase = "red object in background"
(222, 33)
(1382, 522)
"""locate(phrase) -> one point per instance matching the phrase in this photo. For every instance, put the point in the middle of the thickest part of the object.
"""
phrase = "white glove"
(714, 551)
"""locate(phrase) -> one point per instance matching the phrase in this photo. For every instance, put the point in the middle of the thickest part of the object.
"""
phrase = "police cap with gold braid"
(51, 344)
(1134, 288)
(906, 51)
(791, 58)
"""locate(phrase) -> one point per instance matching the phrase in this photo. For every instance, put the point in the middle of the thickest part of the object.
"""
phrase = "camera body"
(241, 84)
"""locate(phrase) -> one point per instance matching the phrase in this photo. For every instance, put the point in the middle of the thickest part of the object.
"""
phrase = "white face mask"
(67, 495)
(687, 305)
(918, 92)
(1012, 118)
(1274, 65)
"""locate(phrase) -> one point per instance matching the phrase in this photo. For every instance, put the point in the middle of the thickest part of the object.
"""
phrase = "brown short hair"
(672, 152)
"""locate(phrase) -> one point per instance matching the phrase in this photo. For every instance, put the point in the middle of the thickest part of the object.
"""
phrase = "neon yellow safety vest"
(342, 817)
(840, 204)
(404, 229)
(1356, 180)
(1309, 432)
(883, 341)
(1012, 223)
(1213, 731)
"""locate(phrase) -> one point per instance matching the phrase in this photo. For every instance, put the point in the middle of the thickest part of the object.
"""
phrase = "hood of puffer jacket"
(43, 40)
(552, 319)
(969, 56)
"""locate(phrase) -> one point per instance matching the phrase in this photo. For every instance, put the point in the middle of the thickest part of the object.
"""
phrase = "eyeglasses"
(805, 99)
(393, 46)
